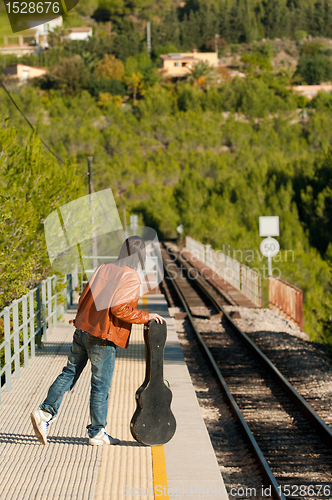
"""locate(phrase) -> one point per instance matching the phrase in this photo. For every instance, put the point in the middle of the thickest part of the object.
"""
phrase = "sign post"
(180, 229)
(134, 222)
(269, 247)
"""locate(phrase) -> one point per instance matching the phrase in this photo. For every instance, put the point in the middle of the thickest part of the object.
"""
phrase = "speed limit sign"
(269, 247)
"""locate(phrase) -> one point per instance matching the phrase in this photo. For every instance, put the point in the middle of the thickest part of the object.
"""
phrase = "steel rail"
(301, 403)
(271, 480)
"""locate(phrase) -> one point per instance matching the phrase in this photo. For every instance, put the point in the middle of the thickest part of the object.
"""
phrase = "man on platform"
(107, 308)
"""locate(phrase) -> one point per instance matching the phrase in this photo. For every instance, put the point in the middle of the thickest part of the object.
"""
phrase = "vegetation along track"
(290, 441)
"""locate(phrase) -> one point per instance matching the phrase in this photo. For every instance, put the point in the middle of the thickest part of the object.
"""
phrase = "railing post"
(49, 303)
(39, 312)
(69, 294)
(55, 312)
(43, 306)
(8, 354)
(25, 329)
(32, 321)
(74, 284)
(16, 339)
(301, 310)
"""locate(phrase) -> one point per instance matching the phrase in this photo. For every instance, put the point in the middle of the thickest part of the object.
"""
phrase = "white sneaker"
(41, 420)
(103, 438)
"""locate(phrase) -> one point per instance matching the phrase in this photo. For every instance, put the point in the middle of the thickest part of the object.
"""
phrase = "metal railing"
(243, 278)
(89, 272)
(251, 285)
(26, 318)
(287, 299)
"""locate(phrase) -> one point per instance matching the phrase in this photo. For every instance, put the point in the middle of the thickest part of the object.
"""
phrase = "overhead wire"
(26, 119)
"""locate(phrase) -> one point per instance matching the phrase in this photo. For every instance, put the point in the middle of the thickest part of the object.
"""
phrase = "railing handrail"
(286, 283)
(286, 298)
(226, 263)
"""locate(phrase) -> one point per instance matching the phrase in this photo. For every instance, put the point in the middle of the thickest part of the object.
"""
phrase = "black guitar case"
(153, 422)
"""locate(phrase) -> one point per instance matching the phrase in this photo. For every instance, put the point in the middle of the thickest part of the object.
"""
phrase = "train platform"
(67, 467)
(234, 296)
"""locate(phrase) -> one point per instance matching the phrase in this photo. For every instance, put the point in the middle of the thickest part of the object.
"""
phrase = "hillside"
(208, 151)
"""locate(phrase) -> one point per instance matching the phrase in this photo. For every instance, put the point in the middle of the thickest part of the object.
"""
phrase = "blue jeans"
(102, 357)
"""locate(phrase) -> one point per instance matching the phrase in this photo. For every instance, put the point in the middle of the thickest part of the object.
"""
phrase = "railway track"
(289, 440)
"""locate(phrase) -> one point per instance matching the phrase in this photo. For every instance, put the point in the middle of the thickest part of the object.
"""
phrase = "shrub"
(105, 100)
(157, 102)
(301, 101)
(300, 35)
(311, 48)
(212, 100)
(254, 60)
(189, 98)
(321, 101)
(71, 75)
(250, 96)
(105, 85)
(314, 69)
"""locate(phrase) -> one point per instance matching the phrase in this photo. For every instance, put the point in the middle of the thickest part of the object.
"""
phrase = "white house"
(82, 33)
(34, 39)
(28, 41)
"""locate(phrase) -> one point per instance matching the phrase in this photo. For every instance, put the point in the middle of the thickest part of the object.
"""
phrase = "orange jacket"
(114, 291)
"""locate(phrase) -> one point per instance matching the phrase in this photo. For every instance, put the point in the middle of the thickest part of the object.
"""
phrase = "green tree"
(300, 35)
(200, 74)
(135, 84)
(157, 102)
(110, 67)
(322, 17)
(256, 60)
(114, 87)
(115, 8)
(32, 185)
(56, 36)
(314, 195)
(164, 49)
(142, 64)
(276, 18)
(314, 69)
(71, 75)
(326, 319)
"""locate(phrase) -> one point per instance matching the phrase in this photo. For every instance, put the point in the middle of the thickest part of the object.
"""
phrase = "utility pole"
(91, 190)
(148, 37)
(216, 43)
(90, 174)
(124, 213)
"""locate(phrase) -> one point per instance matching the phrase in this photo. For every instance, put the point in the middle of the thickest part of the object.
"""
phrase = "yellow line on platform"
(160, 485)
(159, 472)
(145, 303)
